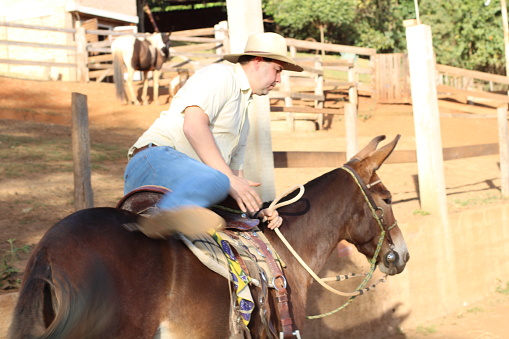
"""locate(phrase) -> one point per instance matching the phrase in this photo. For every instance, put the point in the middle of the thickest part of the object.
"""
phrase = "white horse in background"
(143, 54)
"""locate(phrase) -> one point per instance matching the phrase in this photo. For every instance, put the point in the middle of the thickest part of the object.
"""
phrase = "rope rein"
(361, 289)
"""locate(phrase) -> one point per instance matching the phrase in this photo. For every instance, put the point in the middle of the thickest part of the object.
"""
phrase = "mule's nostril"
(391, 258)
(407, 257)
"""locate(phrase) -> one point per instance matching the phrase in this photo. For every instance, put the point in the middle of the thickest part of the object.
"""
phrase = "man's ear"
(256, 61)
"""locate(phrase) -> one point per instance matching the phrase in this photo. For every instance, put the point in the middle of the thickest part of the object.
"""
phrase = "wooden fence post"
(83, 195)
(319, 91)
(81, 55)
(290, 117)
(351, 110)
(430, 160)
(351, 130)
(503, 137)
(244, 18)
(428, 138)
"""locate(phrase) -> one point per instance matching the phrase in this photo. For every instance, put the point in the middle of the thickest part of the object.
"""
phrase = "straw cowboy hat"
(267, 45)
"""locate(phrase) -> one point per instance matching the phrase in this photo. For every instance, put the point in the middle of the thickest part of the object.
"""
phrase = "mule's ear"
(376, 159)
(367, 150)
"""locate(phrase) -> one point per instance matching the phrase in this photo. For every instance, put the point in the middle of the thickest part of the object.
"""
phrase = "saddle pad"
(246, 249)
(215, 252)
(218, 256)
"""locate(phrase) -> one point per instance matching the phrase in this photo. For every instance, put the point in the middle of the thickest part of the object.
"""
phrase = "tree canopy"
(466, 34)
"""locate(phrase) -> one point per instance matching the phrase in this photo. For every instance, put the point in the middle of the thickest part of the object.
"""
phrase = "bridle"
(377, 213)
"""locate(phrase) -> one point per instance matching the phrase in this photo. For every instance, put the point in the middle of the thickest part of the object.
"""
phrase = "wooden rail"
(335, 159)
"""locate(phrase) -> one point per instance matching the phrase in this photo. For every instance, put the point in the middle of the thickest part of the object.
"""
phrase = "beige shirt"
(223, 92)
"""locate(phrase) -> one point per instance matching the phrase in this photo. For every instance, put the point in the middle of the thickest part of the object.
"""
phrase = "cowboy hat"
(267, 45)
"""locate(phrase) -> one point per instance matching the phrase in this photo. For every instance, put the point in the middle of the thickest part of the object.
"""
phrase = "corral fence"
(84, 54)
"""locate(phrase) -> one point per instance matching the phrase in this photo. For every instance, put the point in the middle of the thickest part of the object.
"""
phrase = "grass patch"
(475, 310)
(426, 330)
(421, 212)
(501, 289)
(22, 155)
(9, 273)
(479, 201)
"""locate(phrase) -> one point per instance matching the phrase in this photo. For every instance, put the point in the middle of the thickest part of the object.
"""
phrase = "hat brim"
(288, 64)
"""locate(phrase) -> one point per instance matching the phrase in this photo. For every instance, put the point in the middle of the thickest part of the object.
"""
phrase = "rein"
(377, 213)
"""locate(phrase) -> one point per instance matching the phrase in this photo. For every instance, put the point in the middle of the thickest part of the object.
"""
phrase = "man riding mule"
(196, 148)
(91, 278)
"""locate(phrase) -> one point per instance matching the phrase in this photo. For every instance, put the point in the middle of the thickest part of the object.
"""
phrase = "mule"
(142, 54)
(91, 278)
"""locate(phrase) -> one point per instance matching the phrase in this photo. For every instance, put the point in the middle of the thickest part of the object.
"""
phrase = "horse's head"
(377, 234)
(162, 42)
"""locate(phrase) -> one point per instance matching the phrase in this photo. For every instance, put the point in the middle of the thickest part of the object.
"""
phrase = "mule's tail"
(118, 75)
(51, 307)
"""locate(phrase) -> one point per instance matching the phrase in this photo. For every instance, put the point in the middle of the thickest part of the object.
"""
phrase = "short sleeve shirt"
(224, 94)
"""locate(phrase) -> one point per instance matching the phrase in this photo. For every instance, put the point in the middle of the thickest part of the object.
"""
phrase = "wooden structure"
(52, 32)
(392, 78)
(83, 194)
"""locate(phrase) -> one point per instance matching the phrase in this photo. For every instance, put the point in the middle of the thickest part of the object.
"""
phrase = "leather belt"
(137, 150)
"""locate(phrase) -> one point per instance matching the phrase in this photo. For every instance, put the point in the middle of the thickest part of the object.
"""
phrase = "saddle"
(144, 199)
(240, 252)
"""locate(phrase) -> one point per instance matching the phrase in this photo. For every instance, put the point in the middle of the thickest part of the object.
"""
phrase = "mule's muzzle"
(394, 263)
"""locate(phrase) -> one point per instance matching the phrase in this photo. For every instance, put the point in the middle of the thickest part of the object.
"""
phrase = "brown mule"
(90, 278)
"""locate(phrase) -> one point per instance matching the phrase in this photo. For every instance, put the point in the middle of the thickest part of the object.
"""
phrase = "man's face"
(268, 74)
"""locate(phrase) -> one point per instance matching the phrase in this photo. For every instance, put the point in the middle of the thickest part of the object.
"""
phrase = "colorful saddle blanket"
(236, 257)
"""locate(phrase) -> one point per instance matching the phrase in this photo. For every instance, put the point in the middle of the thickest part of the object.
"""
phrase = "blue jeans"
(191, 181)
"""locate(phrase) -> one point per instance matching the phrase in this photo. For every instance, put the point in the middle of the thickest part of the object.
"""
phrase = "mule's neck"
(316, 223)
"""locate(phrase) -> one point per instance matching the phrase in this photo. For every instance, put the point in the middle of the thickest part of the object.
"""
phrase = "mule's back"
(83, 274)
(89, 277)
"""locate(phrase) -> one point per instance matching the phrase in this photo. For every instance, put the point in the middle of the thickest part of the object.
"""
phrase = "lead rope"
(360, 289)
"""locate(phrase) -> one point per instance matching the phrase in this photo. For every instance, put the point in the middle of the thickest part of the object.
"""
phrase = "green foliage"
(299, 18)
(8, 270)
(379, 25)
(466, 34)
(300, 13)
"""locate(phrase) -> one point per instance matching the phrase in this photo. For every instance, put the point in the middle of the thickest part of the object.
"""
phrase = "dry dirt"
(30, 205)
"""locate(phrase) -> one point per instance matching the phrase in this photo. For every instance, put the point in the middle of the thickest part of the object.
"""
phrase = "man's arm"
(197, 131)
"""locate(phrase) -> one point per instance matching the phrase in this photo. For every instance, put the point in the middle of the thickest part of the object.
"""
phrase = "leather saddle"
(144, 200)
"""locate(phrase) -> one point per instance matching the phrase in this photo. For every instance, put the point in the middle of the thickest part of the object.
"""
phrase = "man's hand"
(272, 217)
(242, 191)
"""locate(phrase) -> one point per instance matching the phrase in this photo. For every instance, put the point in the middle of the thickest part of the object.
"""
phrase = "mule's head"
(375, 223)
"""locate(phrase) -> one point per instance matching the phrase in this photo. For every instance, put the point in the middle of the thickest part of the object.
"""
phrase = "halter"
(378, 214)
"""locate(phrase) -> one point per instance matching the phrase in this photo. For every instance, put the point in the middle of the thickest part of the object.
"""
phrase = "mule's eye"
(387, 197)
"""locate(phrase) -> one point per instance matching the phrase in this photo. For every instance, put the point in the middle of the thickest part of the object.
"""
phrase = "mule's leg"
(144, 96)
(156, 75)
(132, 96)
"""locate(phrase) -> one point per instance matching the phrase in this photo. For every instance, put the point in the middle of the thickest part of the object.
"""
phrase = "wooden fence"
(303, 96)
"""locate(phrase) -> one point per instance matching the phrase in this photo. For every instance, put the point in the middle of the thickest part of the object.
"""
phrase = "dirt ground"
(31, 204)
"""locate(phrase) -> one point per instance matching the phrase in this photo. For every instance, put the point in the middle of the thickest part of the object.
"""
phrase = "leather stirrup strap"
(281, 293)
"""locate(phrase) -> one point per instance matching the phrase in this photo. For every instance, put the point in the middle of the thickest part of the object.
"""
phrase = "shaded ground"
(33, 201)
